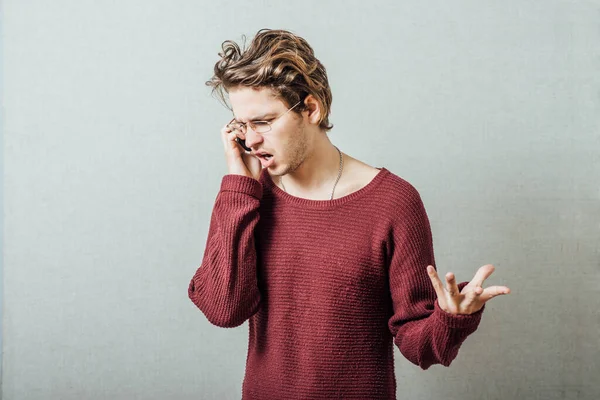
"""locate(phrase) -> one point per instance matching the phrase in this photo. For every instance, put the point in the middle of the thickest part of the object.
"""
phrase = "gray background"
(112, 162)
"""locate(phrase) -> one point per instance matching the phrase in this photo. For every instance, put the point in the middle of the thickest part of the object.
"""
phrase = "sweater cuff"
(242, 184)
(458, 320)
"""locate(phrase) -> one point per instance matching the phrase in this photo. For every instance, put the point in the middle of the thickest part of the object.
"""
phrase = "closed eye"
(260, 124)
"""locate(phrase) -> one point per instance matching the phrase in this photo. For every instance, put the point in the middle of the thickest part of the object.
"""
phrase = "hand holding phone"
(242, 143)
(240, 160)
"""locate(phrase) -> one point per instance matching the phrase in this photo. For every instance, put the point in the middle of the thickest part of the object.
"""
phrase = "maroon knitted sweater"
(327, 286)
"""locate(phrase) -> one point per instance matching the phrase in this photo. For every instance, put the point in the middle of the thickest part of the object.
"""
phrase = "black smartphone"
(242, 143)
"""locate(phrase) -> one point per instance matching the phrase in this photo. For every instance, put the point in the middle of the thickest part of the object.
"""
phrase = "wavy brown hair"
(279, 60)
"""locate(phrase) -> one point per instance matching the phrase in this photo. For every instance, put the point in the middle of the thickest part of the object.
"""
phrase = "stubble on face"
(296, 150)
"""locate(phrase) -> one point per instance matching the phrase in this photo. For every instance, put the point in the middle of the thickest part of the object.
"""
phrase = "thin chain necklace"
(336, 181)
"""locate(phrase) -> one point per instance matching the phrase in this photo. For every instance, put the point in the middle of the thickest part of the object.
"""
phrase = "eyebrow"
(259, 117)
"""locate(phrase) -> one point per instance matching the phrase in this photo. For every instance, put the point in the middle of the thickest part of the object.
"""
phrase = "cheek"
(289, 142)
(280, 142)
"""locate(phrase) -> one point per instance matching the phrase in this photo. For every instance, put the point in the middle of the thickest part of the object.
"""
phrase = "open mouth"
(266, 160)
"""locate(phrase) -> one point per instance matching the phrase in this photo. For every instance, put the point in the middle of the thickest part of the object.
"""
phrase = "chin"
(279, 170)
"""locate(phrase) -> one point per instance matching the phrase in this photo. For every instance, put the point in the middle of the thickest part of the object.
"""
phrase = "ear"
(313, 108)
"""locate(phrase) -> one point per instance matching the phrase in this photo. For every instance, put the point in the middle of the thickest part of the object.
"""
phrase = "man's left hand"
(472, 297)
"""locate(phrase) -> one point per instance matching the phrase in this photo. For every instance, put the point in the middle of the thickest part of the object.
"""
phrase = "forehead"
(249, 103)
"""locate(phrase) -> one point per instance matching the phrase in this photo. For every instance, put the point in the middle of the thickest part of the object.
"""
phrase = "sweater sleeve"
(225, 286)
(424, 333)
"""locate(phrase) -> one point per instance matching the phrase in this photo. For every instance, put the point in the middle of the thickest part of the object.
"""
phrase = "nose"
(252, 138)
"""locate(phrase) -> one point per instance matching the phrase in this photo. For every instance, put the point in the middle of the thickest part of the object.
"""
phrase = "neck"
(318, 172)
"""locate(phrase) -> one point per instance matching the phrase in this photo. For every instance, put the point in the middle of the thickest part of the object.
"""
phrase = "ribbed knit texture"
(328, 288)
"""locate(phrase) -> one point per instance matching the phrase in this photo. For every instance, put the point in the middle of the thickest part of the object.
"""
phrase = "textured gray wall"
(1, 185)
(113, 161)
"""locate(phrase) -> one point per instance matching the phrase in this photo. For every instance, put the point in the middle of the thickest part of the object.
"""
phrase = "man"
(329, 259)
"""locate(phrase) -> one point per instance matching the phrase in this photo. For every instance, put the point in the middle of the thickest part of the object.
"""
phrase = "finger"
(493, 291)
(451, 285)
(230, 141)
(474, 294)
(482, 274)
(435, 280)
(224, 132)
(226, 128)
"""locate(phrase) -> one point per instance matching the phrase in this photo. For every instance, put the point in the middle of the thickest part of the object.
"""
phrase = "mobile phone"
(242, 143)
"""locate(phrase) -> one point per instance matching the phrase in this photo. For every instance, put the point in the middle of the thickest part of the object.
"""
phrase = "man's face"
(286, 141)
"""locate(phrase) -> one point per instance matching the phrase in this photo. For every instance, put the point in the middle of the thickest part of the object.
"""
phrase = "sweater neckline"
(309, 203)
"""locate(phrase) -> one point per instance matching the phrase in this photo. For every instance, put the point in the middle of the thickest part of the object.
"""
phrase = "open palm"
(471, 298)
